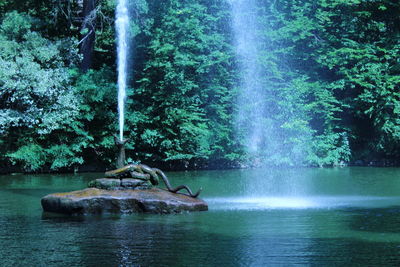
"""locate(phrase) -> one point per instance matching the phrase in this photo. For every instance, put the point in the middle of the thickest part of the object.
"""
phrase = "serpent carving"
(144, 172)
(178, 188)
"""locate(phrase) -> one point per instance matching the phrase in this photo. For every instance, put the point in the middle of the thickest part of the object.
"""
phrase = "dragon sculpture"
(142, 172)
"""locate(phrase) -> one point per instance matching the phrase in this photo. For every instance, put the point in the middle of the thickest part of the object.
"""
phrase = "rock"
(131, 183)
(117, 184)
(95, 201)
(105, 183)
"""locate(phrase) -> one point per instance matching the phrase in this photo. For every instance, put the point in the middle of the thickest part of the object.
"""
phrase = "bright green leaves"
(183, 95)
(38, 105)
(356, 53)
(15, 25)
(97, 117)
(332, 77)
(32, 157)
(35, 87)
(330, 149)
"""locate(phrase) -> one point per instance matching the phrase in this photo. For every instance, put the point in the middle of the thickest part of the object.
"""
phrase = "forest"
(331, 69)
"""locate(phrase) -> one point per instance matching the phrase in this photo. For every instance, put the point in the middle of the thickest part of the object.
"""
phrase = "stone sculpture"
(144, 172)
(121, 151)
(127, 189)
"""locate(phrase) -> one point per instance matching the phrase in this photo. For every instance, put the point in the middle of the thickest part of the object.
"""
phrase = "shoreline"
(187, 166)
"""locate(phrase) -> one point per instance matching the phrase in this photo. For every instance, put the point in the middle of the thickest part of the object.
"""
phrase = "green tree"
(37, 100)
(183, 94)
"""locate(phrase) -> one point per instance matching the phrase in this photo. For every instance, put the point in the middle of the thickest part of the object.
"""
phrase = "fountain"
(251, 93)
(122, 23)
(255, 118)
(129, 188)
(121, 27)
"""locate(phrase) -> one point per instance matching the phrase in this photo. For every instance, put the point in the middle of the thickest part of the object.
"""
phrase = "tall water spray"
(122, 23)
(254, 116)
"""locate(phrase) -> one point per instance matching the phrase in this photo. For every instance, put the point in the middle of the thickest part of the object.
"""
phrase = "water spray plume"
(251, 98)
(122, 23)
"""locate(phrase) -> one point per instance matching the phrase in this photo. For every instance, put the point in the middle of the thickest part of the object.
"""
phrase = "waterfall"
(122, 23)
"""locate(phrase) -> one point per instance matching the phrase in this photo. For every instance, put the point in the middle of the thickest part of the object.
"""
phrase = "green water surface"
(279, 217)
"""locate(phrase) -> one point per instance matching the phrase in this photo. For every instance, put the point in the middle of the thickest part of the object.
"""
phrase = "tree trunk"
(89, 36)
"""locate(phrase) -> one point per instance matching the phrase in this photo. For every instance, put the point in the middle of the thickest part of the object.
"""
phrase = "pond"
(259, 217)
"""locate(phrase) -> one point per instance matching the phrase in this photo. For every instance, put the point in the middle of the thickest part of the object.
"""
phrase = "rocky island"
(130, 189)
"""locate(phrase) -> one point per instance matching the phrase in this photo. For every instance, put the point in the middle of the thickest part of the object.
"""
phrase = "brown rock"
(93, 200)
(120, 184)
(131, 183)
(105, 183)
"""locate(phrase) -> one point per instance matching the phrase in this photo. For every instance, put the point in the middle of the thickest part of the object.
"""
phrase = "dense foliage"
(330, 69)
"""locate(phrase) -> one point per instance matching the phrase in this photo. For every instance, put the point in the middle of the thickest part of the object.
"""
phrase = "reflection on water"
(321, 217)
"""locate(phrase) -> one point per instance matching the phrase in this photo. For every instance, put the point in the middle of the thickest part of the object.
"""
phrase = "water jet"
(122, 24)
